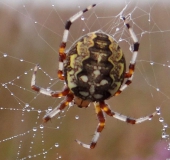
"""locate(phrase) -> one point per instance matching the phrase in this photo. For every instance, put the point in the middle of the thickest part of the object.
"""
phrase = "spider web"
(30, 33)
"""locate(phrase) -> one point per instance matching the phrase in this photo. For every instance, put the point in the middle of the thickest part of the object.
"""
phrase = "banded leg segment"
(99, 129)
(44, 91)
(62, 55)
(59, 108)
(124, 118)
(129, 74)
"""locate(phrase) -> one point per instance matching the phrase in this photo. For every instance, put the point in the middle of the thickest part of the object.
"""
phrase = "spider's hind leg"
(124, 118)
(130, 72)
(99, 129)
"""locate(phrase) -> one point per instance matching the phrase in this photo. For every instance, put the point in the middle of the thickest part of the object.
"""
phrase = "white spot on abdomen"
(84, 78)
(96, 73)
(92, 89)
(103, 82)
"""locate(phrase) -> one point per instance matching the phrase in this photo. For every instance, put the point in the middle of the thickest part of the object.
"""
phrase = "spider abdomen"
(95, 67)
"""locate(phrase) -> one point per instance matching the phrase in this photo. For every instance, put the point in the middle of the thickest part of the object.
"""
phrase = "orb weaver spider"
(94, 70)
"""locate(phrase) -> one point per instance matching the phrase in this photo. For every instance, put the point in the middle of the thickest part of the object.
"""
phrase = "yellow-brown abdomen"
(95, 67)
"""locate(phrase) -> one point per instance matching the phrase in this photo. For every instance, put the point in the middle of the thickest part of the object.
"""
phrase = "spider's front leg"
(61, 106)
(99, 129)
(65, 92)
(62, 54)
(44, 91)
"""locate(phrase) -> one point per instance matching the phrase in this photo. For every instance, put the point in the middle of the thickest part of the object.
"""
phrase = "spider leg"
(100, 127)
(129, 74)
(62, 55)
(44, 91)
(124, 118)
(60, 107)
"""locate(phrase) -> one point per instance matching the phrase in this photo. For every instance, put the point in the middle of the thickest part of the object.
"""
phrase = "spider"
(94, 70)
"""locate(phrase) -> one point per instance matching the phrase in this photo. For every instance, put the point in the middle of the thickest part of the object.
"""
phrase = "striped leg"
(129, 74)
(44, 91)
(100, 127)
(62, 55)
(59, 108)
(124, 118)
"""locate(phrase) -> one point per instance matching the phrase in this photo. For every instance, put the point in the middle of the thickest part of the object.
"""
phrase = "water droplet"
(76, 117)
(12, 94)
(58, 127)
(83, 29)
(158, 113)
(5, 55)
(151, 63)
(164, 135)
(25, 72)
(71, 104)
(50, 108)
(82, 18)
(52, 5)
(165, 125)
(56, 145)
(28, 110)
(26, 105)
(35, 22)
(34, 129)
(21, 60)
(41, 126)
(158, 108)
(161, 119)
(157, 89)
(163, 129)
(18, 77)
(117, 29)
(39, 111)
(150, 118)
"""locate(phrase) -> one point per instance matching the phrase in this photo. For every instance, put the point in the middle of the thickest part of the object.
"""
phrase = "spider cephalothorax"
(94, 70)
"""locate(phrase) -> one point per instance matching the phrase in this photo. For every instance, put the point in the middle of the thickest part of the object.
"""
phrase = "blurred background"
(30, 33)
